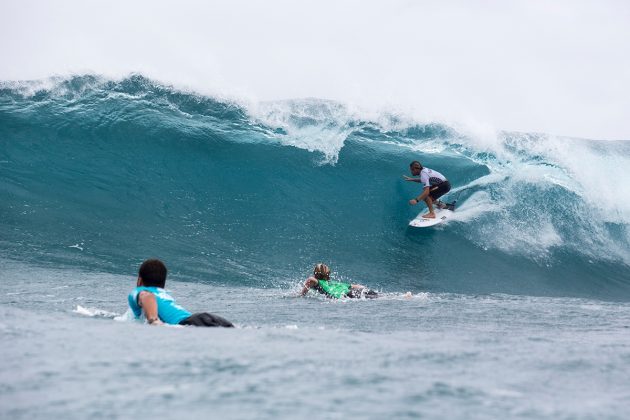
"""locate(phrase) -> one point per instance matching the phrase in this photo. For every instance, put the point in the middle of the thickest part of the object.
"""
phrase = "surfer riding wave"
(435, 186)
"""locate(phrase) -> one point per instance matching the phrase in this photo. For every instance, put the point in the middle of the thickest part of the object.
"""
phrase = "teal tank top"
(168, 311)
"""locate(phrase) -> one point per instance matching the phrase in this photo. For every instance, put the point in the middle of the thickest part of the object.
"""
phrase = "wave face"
(100, 174)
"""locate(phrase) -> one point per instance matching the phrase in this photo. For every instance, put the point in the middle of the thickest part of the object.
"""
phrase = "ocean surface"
(519, 306)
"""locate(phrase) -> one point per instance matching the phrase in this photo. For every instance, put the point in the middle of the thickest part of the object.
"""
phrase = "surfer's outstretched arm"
(309, 284)
(148, 303)
(423, 197)
(408, 178)
(426, 197)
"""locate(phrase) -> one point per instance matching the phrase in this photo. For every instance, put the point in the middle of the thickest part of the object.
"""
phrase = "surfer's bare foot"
(428, 216)
(440, 205)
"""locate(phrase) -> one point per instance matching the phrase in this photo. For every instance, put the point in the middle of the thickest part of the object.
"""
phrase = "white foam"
(310, 124)
(94, 312)
(480, 203)
(596, 171)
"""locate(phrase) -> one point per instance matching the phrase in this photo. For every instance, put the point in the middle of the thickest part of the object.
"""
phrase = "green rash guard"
(334, 289)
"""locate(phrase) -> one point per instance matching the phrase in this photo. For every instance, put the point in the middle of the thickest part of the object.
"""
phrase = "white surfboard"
(441, 215)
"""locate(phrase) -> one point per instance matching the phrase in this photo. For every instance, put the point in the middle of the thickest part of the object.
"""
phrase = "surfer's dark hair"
(153, 273)
(414, 162)
(321, 272)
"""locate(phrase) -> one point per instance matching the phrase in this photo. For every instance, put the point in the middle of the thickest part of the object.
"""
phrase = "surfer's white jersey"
(429, 177)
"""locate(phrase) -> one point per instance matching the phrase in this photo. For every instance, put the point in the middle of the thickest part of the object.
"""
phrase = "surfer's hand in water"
(413, 201)
(408, 178)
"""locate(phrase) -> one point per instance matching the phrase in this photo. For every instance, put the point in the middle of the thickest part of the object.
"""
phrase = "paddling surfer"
(320, 281)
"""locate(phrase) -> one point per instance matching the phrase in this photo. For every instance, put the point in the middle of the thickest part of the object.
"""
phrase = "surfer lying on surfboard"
(435, 186)
(321, 282)
(150, 299)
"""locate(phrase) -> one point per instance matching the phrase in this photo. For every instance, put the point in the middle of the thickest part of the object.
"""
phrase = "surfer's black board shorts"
(204, 319)
(439, 190)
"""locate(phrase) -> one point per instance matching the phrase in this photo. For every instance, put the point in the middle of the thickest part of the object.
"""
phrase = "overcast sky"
(561, 67)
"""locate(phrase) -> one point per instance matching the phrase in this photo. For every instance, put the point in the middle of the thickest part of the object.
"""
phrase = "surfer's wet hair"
(153, 273)
(414, 162)
(321, 272)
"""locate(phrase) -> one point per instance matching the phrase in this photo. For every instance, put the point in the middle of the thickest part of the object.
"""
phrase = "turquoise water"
(519, 305)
